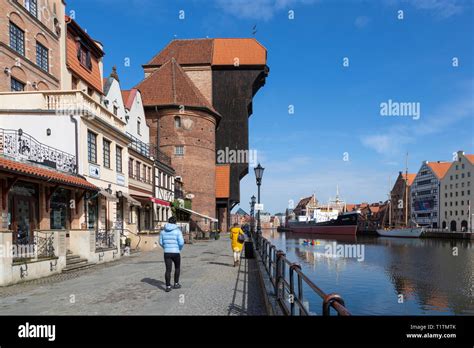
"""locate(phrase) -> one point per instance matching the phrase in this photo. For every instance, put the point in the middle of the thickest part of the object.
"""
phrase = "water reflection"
(397, 276)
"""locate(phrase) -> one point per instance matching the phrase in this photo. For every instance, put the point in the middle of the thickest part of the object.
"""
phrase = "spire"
(114, 74)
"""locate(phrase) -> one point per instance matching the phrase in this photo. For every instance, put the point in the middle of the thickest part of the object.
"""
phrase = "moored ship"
(344, 224)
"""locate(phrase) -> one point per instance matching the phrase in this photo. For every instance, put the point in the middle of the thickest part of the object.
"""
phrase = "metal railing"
(288, 281)
(122, 233)
(22, 146)
(39, 245)
(105, 239)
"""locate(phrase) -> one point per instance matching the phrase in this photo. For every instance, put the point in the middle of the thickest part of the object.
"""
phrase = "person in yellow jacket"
(237, 246)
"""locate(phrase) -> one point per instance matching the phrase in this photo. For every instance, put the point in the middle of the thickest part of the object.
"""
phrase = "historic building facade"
(400, 202)
(425, 193)
(31, 42)
(222, 77)
(457, 194)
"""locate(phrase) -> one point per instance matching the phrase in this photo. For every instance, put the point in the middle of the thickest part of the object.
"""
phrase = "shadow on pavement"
(221, 264)
(155, 282)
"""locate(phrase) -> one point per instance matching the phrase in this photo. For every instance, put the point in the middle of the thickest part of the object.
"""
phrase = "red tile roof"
(470, 158)
(43, 173)
(439, 168)
(171, 86)
(212, 52)
(411, 178)
(223, 181)
(128, 97)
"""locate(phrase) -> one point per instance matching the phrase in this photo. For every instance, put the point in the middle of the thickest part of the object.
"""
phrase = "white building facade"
(457, 195)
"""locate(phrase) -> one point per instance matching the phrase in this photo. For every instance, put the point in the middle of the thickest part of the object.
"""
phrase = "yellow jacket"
(234, 234)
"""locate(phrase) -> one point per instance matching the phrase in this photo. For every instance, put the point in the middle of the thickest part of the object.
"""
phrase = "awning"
(109, 196)
(198, 214)
(38, 172)
(131, 200)
(160, 201)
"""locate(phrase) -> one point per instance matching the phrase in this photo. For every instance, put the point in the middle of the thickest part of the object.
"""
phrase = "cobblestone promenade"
(135, 286)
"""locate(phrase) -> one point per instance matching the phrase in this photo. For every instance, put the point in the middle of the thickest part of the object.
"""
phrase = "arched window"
(177, 122)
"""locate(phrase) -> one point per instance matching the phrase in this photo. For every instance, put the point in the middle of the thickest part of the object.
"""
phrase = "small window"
(106, 153)
(118, 159)
(32, 7)
(42, 57)
(115, 110)
(17, 39)
(17, 86)
(84, 56)
(92, 147)
(179, 150)
(139, 128)
(137, 170)
(130, 168)
(177, 122)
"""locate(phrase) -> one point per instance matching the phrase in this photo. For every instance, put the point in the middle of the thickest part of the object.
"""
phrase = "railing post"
(328, 301)
(278, 270)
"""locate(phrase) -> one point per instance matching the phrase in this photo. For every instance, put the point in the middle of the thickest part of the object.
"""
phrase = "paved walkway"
(135, 286)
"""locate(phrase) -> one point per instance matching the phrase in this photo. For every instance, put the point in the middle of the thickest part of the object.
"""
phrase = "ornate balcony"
(23, 147)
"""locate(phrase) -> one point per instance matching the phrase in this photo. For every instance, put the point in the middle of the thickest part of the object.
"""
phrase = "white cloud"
(258, 9)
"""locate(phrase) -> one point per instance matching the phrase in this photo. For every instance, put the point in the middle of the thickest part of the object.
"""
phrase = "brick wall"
(37, 29)
(197, 166)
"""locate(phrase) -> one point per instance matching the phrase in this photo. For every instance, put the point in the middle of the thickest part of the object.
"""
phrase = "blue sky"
(336, 108)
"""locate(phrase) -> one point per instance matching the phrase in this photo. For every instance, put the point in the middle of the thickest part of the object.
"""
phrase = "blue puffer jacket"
(171, 239)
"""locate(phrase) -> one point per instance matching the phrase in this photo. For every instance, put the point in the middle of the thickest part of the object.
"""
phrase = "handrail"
(275, 263)
(122, 230)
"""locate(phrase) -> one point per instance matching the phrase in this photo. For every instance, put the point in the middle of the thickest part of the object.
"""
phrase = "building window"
(92, 147)
(17, 39)
(118, 159)
(42, 57)
(32, 7)
(137, 170)
(17, 86)
(84, 56)
(179, 150)
(106, 148)
(177, 122)
(130, 168)
(59, 208)
(144, 177)
(115, 110)
(138, 128)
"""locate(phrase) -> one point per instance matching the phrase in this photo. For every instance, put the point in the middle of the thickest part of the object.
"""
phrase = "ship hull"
(346, 230)
(401, 232)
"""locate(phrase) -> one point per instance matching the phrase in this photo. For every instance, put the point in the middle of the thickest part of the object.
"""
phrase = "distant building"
(400, 202)
(425, 193)
(304, 210)
(457, 194)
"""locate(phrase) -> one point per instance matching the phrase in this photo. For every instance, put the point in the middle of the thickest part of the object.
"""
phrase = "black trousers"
(171, 258)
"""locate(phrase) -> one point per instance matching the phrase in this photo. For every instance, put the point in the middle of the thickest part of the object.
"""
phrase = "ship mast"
(406, 191)
(389, 202)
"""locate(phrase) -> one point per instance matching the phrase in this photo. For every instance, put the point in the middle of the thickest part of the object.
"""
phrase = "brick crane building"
(198, 97)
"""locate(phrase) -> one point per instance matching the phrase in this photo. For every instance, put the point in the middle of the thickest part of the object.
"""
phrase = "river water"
(386, 276)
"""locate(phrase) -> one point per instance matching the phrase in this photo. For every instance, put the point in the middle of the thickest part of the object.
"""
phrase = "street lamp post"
(258, 176)
(252, 214)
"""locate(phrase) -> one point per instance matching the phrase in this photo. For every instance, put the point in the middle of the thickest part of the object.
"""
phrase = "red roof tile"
(439, 168)
(411, 178)
(171, 86)
(470, 158)
(43, 173)
(128, 97)
(212, 52)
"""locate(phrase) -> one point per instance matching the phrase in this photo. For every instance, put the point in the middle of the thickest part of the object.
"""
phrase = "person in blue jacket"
(172, 242)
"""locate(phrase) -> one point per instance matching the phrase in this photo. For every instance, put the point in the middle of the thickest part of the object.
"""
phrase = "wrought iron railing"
(22, 146)
(288, 281)
(139, 146)
(105, 239)
(160, 156)
(39, 245)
